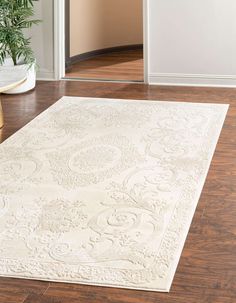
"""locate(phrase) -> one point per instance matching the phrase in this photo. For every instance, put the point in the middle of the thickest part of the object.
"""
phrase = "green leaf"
(15, 16)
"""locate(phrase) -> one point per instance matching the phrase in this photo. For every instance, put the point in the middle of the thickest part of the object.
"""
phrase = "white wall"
(42, 39)
(192, 42)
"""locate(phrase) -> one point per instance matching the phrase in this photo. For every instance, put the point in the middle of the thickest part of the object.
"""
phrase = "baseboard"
(100, 52)
(44, 74)
(192, 80)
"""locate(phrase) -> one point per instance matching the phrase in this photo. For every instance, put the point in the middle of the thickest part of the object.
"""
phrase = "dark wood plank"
(16, 290)
(23, 286)
(207, 268)
(122, 65)
(8, 297)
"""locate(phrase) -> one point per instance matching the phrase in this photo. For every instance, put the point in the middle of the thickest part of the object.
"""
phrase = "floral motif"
(93, 161)
(61, 216)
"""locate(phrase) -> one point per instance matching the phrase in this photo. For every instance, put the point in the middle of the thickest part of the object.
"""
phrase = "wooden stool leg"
(1, 115)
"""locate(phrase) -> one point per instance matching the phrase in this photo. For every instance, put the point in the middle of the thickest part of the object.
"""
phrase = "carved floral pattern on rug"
(102, 192)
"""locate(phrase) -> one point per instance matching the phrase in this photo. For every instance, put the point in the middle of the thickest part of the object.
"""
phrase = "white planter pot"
(30, 81)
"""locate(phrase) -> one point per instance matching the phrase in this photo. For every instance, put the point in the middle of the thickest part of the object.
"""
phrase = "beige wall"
(98, 24)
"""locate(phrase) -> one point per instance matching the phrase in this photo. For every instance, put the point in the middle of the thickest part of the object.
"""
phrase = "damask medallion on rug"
(102, 191)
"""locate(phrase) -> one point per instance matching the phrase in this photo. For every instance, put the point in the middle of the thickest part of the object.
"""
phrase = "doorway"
(122, 61)
(104, 40)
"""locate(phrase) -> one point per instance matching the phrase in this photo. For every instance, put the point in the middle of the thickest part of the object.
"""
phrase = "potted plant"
(15, 50)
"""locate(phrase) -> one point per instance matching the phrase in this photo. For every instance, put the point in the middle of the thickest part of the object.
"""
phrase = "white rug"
(102, 192)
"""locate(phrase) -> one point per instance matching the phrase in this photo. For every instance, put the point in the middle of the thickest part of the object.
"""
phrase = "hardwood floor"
(123, 65)
(207, 268)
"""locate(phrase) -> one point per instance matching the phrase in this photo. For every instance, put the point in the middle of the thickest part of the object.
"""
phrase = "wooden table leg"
(1, 115)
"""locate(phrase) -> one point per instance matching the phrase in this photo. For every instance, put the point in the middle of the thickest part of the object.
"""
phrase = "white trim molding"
(146, 40)
(45, 74)
(59, 39)
(192, 80)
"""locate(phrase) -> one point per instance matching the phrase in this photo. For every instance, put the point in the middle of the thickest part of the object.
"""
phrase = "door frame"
(59, 39)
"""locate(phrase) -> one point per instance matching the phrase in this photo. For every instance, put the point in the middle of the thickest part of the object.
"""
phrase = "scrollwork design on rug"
(92, 116)
(17, 168)
(4, 206)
